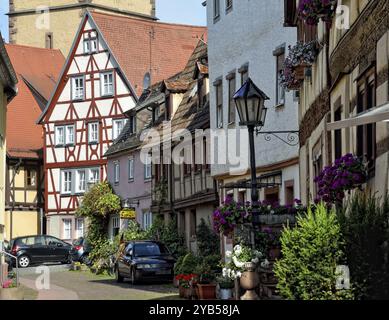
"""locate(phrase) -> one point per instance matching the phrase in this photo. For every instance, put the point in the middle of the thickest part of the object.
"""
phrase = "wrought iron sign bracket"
(290, 137)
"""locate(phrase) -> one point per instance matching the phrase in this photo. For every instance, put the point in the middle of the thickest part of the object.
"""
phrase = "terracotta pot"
(299, 72)
(207, 291)
(187, 293)
(181, 291)
(12, 294)
(249, 281)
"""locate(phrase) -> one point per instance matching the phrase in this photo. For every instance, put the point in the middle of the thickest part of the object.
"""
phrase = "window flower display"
(347, 173)
(229, 215)
(311, 11)
(300, 56)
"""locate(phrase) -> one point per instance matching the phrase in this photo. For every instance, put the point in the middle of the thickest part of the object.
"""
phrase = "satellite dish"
(146, 81)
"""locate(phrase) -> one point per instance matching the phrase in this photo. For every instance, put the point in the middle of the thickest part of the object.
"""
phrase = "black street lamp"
(250, 103)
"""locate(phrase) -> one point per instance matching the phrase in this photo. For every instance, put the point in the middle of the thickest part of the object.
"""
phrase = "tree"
(97, 205)
(310, 253)
(365, 226)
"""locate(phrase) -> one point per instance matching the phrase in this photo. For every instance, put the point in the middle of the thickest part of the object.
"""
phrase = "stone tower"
(53, 23)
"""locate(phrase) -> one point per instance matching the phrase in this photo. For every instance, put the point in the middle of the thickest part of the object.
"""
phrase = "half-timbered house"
(24, 202)
(111, 59)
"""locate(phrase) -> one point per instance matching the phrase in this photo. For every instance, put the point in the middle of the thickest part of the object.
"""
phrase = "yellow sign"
(128, 214)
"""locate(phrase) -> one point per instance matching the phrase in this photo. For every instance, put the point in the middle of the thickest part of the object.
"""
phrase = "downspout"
(16, 171)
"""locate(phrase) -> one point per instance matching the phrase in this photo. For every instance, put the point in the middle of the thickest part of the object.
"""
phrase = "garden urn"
(249, 281)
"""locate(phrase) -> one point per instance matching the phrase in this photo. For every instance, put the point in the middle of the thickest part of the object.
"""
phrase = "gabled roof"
(130, 39)
(8, 76)
(188, 115)
(37, 71)
(139, 46)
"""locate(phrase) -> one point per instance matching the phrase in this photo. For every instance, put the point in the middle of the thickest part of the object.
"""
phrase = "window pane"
(81, 180)
(78, 88)
(67, 229)
(59, 136)
(93, 132)
(69, 134)
(94, 176)
(93, 44)
(131, 169)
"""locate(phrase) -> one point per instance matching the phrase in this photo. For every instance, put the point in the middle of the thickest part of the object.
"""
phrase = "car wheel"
(85, 260)
(67, 260)
(133, 277)
(119, 278)
(24, 261)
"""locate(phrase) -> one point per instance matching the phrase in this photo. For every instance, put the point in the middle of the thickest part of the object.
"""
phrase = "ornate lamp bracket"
(290, 137)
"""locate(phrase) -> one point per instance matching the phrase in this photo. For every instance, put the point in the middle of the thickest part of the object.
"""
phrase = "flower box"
(311, 11)
(207, 291)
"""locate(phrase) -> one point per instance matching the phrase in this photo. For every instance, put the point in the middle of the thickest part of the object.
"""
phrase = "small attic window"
(146, 81)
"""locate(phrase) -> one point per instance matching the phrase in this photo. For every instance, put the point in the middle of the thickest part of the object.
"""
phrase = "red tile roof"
(37, 70)
(130, 38)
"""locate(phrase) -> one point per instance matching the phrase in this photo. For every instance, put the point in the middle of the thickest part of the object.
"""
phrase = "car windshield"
(150, 249)
(78, 242)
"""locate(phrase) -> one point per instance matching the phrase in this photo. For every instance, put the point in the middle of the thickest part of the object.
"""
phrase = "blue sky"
(176, 11)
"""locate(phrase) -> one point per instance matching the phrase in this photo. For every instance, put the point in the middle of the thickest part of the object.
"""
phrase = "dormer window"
(90, 43)
(156, 113)
(132, 121)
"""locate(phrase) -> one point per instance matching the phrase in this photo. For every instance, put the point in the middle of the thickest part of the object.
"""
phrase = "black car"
(141, 260)
(39, 249)
(80, 251)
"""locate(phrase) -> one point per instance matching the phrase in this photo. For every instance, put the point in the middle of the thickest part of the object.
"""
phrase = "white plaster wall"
(249, 34)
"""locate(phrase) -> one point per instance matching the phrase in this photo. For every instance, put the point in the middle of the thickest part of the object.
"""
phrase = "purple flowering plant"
(312, 10)
(300, 54)
(229, 215)
(232, 213)
(347, 173)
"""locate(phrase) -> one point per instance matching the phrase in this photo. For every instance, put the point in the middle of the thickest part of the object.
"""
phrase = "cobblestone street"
(75, 285)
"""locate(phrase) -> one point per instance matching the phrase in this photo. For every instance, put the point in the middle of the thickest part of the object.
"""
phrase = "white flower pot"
(225, 294)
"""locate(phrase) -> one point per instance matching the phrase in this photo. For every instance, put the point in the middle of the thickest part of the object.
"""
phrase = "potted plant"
(186, 285)
(206, 286)
(347, 173)
(300, 56)
(247, 260)
(11, 291)
(177, 271)
(226, 283)
(228, 216)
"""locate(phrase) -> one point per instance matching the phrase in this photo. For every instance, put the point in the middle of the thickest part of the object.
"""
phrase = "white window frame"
(67, 229)
(148, 167)
(131, 167)
(87, 46)
(115, 131)
(66, 185)
(93, 45)
(78, 180)
(147, 220)
(116, 172)
(78, 91)
(66, 136)
(80, 227)
(93, 139)
(90, 175)
(60, 142)
(107, 86)
(68, 140)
